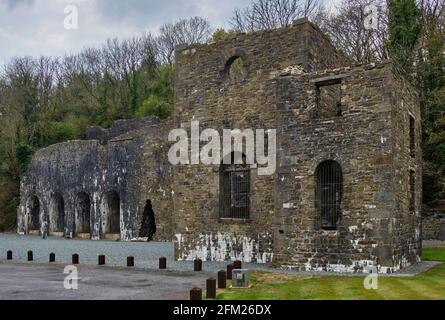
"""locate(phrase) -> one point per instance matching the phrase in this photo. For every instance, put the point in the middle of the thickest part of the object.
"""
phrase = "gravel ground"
(27, 281)
(146, 255)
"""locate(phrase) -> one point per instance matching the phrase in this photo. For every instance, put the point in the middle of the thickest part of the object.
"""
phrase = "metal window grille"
(235, 192)
(329, 192)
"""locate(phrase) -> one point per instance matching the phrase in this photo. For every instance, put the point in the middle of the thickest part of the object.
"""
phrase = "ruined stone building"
(346, 195)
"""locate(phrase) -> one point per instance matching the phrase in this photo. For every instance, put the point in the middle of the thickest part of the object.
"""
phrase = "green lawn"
(268, 286)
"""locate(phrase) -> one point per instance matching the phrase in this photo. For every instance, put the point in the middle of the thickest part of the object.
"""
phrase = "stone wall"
(206, 93)
(92, 168)
(406, 221)
(365, 129)
(433, 225)
(376, 227)
(119, 128)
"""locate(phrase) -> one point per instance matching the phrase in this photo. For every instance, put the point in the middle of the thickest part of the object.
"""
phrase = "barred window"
(235, 191)
(328, 194)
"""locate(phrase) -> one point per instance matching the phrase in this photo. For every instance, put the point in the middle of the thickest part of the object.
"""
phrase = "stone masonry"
(364, 120)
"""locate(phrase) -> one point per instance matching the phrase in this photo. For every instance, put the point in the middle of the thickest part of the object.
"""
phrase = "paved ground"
(146, 254)
(46, 282)
(40, 280)
(433, 244)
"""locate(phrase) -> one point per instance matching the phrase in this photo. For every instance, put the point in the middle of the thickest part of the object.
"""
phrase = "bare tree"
(271, 14)
(433, 16)
(347, 28)
(182, 32)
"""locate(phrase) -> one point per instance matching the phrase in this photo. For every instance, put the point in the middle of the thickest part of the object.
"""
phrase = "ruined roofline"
(98, 135)
(367, 66)
(236, 36)
(66, 144)
(387, 63)
(120, 128)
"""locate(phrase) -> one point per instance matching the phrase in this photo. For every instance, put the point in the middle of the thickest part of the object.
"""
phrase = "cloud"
(40, 31)
(12, 4)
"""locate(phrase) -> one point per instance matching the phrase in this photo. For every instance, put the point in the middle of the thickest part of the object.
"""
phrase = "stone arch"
(236, 66)
(57, 214)
(82, 214)
(148, 225)
(111, 214)
(33, 209)
(235, 69)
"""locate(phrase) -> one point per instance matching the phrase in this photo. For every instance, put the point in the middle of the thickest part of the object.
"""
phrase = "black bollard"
(101, 260)
(9, 255)
(130, 262)
(75, 259)
(30, 256)
(163, 263)
(237, 265)
(195, 294)
(198, 265)
(229, 271)
(211, 288)
(222, 279)
(52, 257)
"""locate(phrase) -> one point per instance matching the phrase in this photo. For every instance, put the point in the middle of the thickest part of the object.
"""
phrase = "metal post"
(101, 260)
(196, 294)
(222, 279)
(211, 288)
(237, 265)
(163, 263)
(230, 268)
(198, 265)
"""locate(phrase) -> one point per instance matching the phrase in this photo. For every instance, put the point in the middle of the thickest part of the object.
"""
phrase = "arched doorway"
(148, 225)
(111, 215)
(33, 215)
(57, 215)
(83, 215)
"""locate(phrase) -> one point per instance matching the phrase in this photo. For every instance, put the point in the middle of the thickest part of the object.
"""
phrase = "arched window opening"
(235, 69)
(57, 213)
(328, 194)
(235, 190)
(34, 214)
(112, 213)
(83, 214)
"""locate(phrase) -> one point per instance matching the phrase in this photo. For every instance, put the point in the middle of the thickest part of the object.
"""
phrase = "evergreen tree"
(405, 27)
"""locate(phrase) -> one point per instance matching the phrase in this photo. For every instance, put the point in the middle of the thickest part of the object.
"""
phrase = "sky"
(37, 27)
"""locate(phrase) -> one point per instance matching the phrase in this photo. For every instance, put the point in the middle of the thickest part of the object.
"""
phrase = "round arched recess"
(83, 215)
(57, 215)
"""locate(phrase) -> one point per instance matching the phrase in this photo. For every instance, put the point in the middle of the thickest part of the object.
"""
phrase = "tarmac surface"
(26, 281)
(40, 280)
